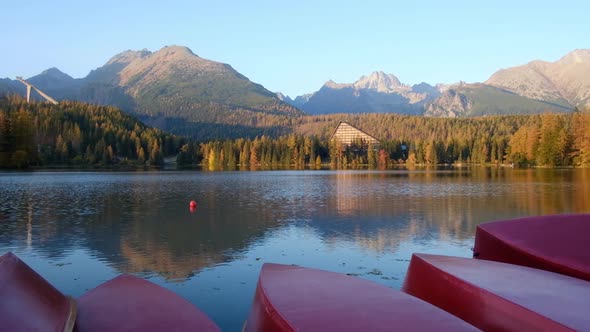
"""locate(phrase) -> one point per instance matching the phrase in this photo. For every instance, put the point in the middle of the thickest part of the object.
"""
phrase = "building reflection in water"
(140, 223)
(385, 208)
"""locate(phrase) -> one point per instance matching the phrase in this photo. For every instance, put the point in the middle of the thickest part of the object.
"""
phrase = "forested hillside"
(534, 140)
(175, 90)
(74, 133)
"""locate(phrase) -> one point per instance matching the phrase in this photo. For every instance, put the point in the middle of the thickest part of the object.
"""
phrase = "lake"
(79, 229)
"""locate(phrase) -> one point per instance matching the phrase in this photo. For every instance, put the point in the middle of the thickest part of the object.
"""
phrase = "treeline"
(258, 153)
(540, 140)
(75, 133)
(291, 151)
(534, 140)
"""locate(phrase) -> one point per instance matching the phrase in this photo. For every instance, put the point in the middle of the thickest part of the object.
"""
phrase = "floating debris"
(62, 264)
(375, 272)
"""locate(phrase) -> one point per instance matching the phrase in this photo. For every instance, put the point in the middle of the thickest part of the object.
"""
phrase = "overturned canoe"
(556, 243)
(497, 296)
(128, 303)
(292, 298)
(30, 303)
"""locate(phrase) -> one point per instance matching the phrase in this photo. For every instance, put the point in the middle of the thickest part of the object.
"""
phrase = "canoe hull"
(500, 297)
(128, 303)
(30, 303)
(292, 298)
(556, 243)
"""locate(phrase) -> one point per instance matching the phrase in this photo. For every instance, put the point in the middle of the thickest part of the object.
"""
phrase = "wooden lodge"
(346, 134)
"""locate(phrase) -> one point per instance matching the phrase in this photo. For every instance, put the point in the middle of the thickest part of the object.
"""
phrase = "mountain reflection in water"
(80, 228)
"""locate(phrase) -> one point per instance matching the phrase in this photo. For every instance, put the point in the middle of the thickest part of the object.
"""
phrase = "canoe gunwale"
(72, 315)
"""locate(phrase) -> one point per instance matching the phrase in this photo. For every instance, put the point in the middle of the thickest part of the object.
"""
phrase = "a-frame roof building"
(346, 134)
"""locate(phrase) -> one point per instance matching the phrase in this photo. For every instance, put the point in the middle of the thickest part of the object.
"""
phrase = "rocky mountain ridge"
(566, 80)
(172, 88)
(538, 86)
(377, 92)
(177, 90)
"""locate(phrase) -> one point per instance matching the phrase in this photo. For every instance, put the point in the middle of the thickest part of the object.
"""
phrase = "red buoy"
(193, 204)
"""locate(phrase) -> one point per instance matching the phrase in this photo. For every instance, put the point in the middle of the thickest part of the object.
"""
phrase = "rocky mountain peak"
(284, 98)
(424, 88)
(377, 92)
(333, 85)
(176, 49)
(450, 104)
(576, 56)
(178, 63)
(175, 52)
(379, 81)
(565, 82)
(56, 74)
(128, 56)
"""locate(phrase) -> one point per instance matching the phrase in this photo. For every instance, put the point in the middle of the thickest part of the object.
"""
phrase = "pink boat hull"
(291, 298)
(128, 303)
(554, 243)
(496, 296)
(29, 303)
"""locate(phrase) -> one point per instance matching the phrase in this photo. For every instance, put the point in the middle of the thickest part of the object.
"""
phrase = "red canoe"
(292, 298)
(497, 296)
(29, 303)
(128, 303)
(555, 243)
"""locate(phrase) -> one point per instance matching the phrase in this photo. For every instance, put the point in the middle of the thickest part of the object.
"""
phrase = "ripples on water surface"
(79, 229)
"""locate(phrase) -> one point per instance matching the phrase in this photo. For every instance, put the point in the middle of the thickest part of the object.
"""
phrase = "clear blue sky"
(295, 46)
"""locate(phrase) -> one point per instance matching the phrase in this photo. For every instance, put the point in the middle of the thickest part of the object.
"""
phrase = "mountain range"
(374, 93)
(176, 90)
(173, 89)
(535, 87)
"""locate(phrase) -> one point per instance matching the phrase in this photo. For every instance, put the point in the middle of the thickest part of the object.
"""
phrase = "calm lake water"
(79, 229)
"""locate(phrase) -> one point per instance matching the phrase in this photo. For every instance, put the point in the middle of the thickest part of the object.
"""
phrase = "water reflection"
(140, 222)
(84, 228)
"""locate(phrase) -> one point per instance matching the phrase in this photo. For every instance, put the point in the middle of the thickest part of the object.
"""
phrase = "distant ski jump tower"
(29, 86)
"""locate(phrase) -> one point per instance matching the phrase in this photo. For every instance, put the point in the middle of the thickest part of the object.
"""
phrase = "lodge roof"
(361, 132)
